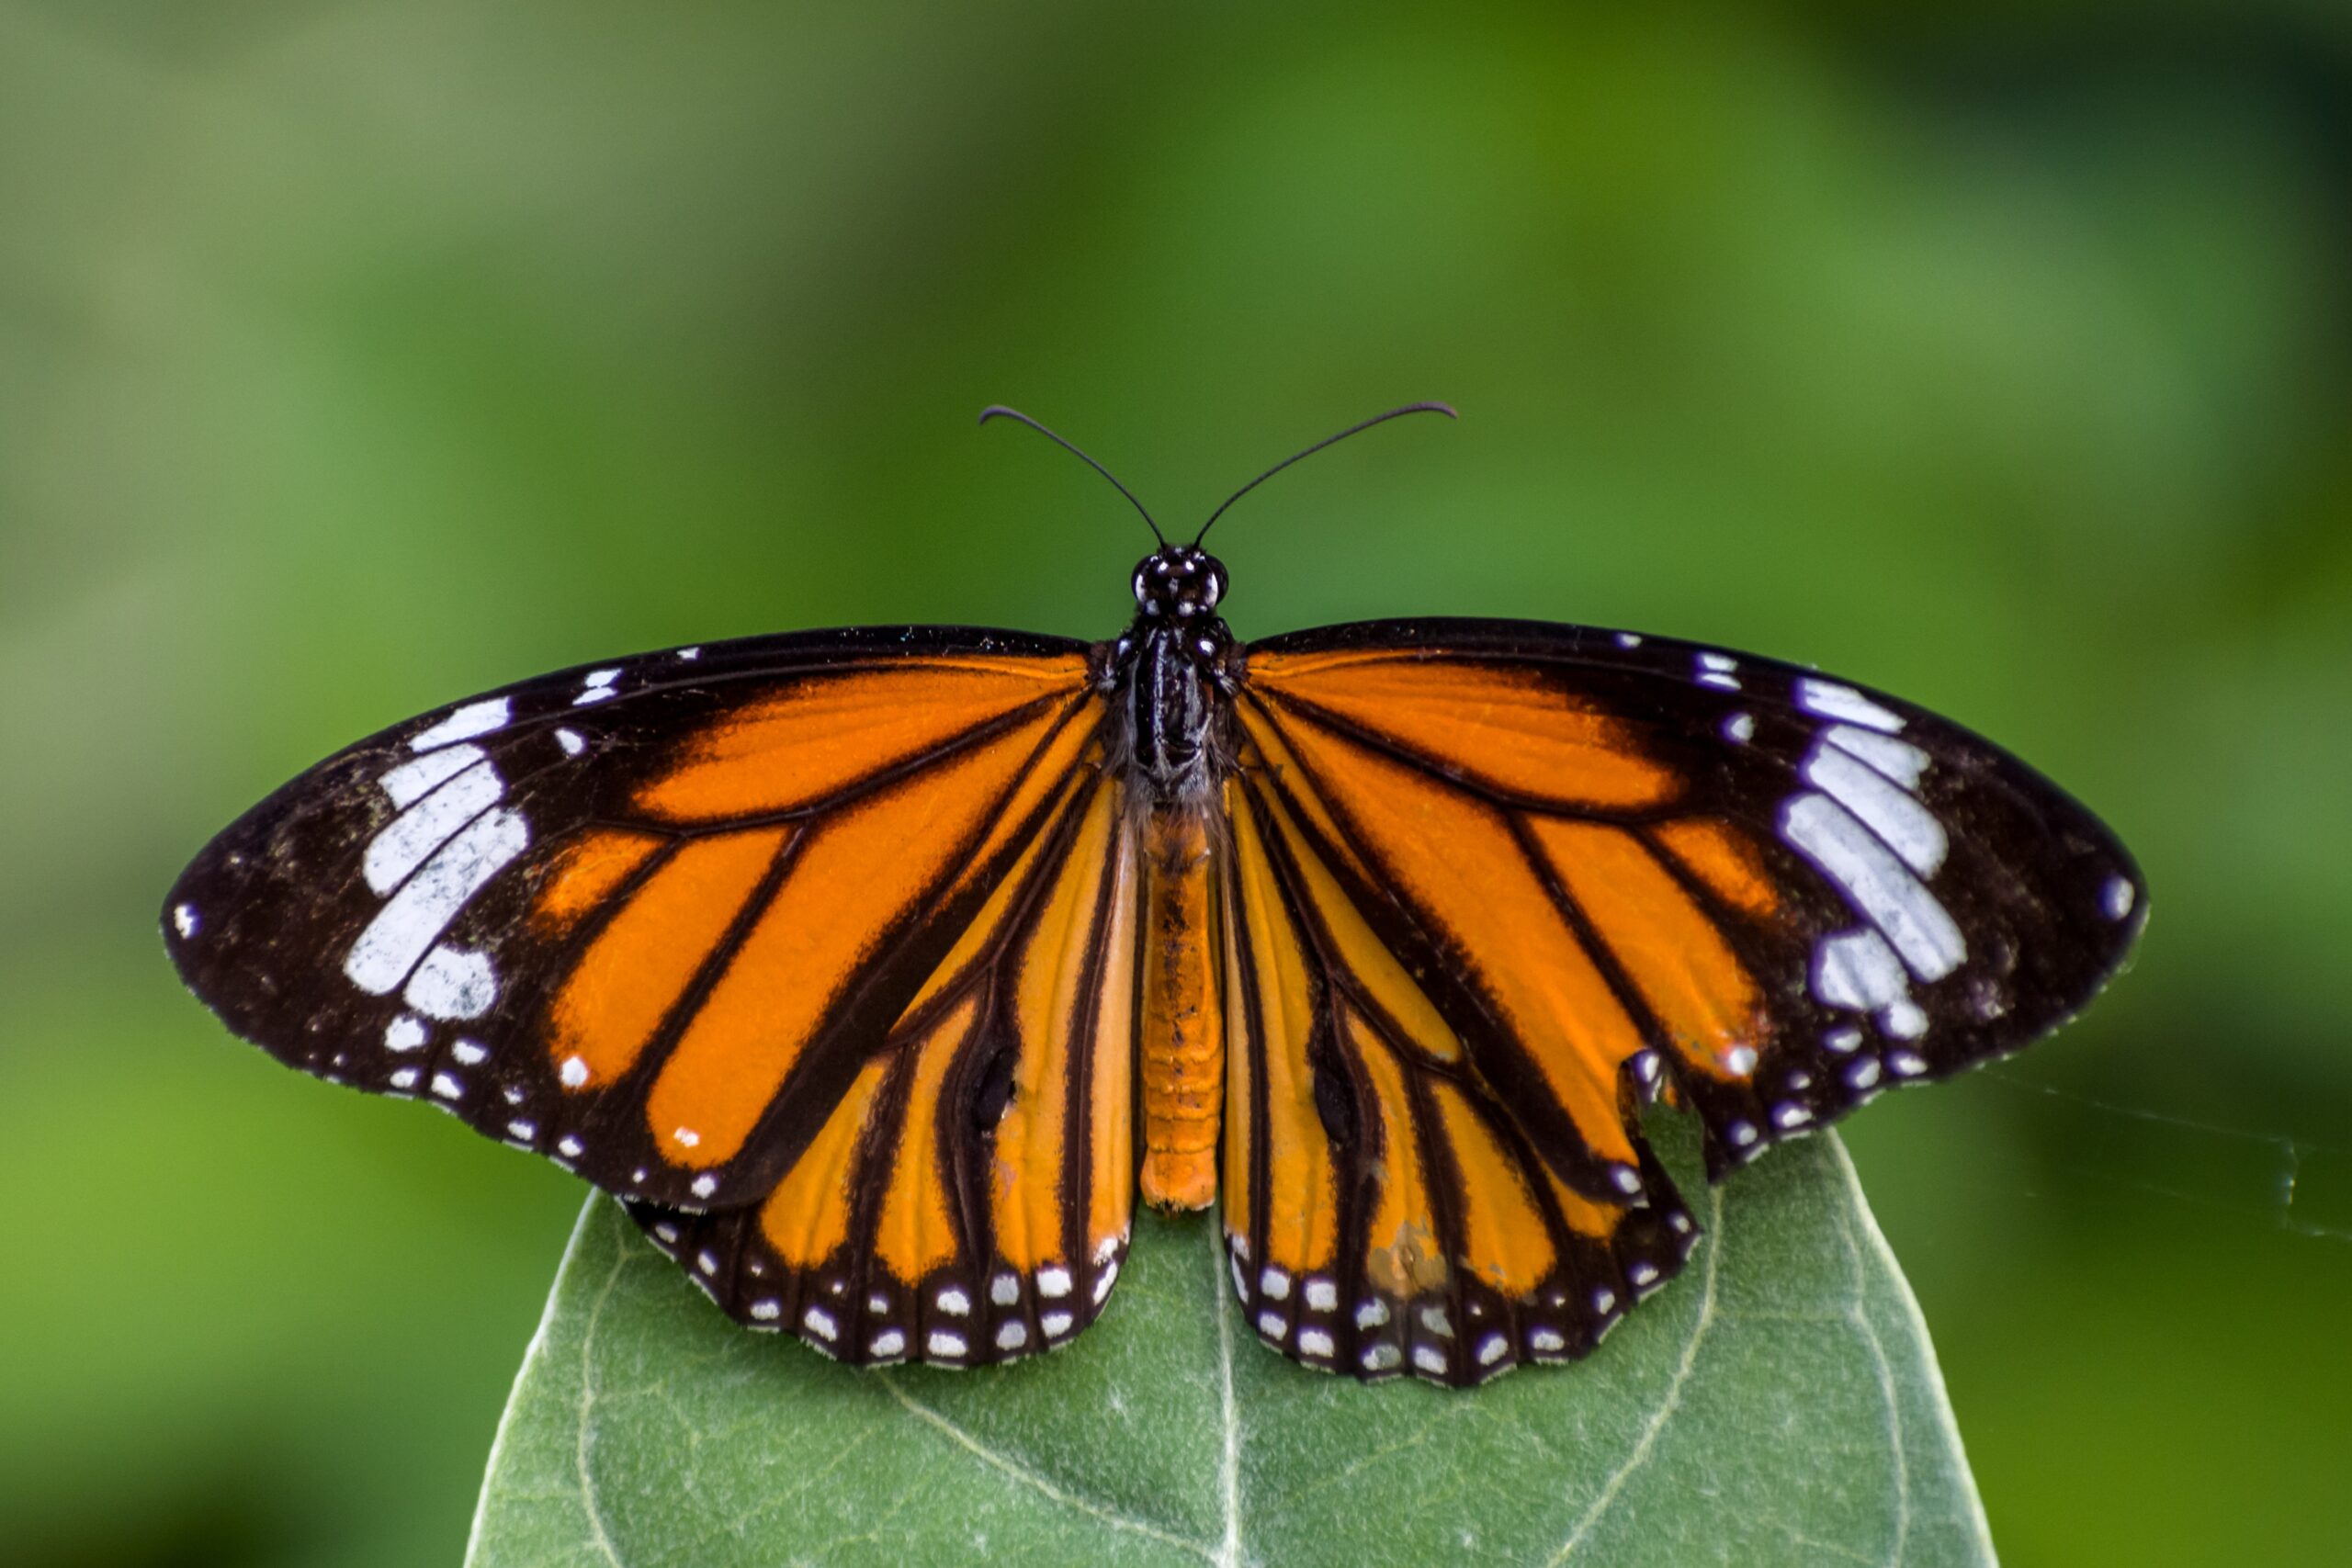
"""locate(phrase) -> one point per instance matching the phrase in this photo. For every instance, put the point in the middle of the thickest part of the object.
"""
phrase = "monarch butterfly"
(879, 971)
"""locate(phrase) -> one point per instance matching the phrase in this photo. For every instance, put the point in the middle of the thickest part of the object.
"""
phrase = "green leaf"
(1778, 1403)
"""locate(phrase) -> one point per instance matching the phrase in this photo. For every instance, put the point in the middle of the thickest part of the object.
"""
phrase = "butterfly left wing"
(648, 919)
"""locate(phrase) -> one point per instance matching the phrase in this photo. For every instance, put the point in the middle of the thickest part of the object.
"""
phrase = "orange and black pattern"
(1499, 885)
(880, 971)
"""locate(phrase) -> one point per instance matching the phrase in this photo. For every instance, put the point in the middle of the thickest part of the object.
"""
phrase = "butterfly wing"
(969, 1199)
(649, 918)
(1604, 867)
(1385, 1210)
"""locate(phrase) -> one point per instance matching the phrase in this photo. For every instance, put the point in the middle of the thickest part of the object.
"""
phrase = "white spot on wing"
(420, 776)
(184, 920)
(452, 983)
(408, 839)
(1903, 1020)
(474, 718)
(570, 741)
(1740, 728)
(1902, 823)
(1898, 759)
(415, 916)
(469, 1053)
(1012, 1335)
(2115, 899)
(703, 1186)
(597, 687)
(1053, 1282)
(1878, 884)
(1831, 700)
(575, 1072)
(405, 1033)
(1857, 970)
(447, 1086)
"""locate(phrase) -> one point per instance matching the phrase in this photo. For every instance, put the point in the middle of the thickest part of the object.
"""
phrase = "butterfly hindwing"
(1385, 1210)
(646, 918)
(968, 1200)
(1775, 892)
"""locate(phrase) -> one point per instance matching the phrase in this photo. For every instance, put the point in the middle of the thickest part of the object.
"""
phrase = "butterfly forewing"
(647, 918)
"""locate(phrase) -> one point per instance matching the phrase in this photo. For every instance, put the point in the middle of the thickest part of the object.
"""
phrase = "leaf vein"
(1672, 1401)
(1032, 1479)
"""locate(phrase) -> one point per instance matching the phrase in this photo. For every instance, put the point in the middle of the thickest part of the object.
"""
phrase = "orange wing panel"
(1111, 1095)
(1302, 1230)
(854, 875)
(916, 1233)
(641, 964)
(597, 862)
(1361, 953)
(806, 1217)
(1503, 725)
(1457, 861)
(792, 748)
(1032, 1139)
(1504, 1241)
(1719, 856)
(1675, 956)
(1402, 1257)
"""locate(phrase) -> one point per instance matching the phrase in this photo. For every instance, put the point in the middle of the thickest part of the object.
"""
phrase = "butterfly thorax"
(1167, 675)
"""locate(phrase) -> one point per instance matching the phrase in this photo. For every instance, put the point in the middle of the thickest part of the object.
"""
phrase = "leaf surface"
(1779, 1403)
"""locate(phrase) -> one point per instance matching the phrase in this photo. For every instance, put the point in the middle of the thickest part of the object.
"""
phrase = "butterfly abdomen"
(1183, 1016)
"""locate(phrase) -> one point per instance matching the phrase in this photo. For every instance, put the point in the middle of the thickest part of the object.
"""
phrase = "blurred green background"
(357, 355)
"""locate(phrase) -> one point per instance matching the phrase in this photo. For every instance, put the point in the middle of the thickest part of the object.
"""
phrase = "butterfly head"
(1179, 583)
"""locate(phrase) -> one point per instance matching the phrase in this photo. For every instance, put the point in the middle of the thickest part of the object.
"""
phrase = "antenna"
(997, 411)
(1286, 462)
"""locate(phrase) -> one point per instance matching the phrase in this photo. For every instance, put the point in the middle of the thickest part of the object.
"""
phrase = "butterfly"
(880, 972)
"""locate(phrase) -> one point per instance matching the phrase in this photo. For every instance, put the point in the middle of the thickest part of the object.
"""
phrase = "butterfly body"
(881, 971)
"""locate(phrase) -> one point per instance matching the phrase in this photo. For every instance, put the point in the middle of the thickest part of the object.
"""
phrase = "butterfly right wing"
(1384, 1212)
